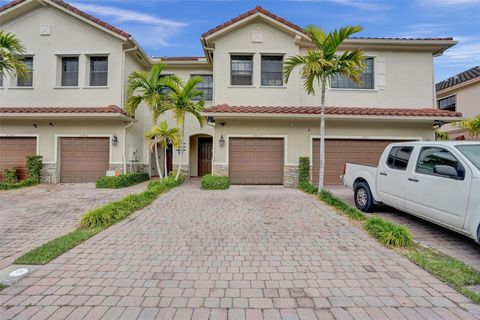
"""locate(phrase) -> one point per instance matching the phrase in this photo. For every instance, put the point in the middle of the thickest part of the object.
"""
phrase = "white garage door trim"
(89, 135)
(24, 135)
(358, 138)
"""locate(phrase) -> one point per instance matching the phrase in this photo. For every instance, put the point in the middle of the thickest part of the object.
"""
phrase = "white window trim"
(88, 71)
(268, 54)
(375, 80)
(14, 80)
(247, 54)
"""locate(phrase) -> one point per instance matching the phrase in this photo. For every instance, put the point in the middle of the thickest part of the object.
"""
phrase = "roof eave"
(65, 115)
(337, 117)
(458, 86)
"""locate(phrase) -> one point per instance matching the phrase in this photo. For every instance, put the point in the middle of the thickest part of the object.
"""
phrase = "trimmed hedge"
(303, 170)
(210, 182)
(122, 181)
(33, 166)
(113, 212)
(24, 183)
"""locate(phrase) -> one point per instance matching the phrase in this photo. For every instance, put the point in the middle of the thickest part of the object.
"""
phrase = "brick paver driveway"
(245, 253)
(427, 233)
(32, 216)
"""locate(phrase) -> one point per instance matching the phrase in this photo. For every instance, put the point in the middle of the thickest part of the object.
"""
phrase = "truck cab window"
(398, 157)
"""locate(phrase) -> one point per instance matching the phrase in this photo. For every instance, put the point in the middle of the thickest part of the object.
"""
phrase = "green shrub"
(24, 183)
(342, 206)
(113, 212)
(10, 176)
(210, 182)
(33, 165)
(308, 187)
(389, 233)
(303, 170)
(122, 181)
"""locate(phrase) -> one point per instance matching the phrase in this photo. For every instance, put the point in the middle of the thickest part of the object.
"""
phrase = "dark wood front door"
(204, 156)
(169, 158)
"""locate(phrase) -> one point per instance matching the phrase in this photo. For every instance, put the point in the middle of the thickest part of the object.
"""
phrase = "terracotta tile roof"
(351, 111)
(76, 11)
(179, 58)
(459, 78)
(257, 9)
(108, 109)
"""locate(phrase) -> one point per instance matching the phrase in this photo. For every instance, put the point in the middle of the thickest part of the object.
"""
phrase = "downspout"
(122, 101)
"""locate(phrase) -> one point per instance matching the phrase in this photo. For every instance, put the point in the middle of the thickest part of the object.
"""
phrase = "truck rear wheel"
(363, 197)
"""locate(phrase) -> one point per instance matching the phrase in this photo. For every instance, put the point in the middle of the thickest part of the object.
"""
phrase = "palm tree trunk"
(322, 139)
(165, 159)
(159, 170)
(181, 150)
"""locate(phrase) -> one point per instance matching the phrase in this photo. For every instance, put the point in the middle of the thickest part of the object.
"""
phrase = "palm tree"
(163, 136)
(11, 59)
(320, 64)
(148, 87)
(185, 99)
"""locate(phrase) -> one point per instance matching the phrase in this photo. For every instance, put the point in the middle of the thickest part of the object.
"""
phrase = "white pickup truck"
(436, 181)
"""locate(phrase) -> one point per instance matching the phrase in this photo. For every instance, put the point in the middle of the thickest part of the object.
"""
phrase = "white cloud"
(153, 30)
(447, 3)
(358, 4)
(464, 54)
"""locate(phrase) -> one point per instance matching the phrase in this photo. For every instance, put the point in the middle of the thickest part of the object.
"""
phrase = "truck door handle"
(413, 179)
(383, 173)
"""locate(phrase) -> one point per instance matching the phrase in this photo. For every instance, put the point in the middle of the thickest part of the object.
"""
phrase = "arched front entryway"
(201, 155)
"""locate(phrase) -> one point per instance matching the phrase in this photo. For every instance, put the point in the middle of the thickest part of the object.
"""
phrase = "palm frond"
(11, 55)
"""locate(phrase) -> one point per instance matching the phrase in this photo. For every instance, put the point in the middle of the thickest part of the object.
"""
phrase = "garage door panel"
(256, 161)
(339, 151)
(83, 159)
(13, 153)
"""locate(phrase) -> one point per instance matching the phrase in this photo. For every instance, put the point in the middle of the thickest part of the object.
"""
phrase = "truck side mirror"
(446, 171)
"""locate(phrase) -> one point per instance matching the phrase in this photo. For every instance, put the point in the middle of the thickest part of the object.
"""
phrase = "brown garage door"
(13, 152)
(83, 159)
(256, 161)
(339, 151)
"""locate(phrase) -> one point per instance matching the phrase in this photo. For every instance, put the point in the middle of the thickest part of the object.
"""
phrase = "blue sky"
(173, 27)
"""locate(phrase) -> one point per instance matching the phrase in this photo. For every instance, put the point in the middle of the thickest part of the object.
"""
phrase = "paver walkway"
(244, 253)
(427, 233)
(32, 216)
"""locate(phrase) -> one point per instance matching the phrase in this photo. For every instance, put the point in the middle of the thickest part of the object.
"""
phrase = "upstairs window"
(69, 71)
(367, 77)
(448, 103)
(272, 71)
(398, 158)
(163, 89)
(206, 87)
(241, 70)
(98, 71)
(1, 80)
(28, 80)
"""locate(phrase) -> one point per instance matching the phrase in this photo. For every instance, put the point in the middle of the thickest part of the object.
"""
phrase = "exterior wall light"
(221, 141)
(114, 140)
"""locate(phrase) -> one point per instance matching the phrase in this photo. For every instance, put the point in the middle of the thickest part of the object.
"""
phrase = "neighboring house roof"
(460, 78)
(341, 111)
(108, 109)
(76, 11)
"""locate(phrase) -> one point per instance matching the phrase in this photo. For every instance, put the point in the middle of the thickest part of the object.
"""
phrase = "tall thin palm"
(185, 99)
(11, 59)
(162, 136)
(148, 87)
(320, 64)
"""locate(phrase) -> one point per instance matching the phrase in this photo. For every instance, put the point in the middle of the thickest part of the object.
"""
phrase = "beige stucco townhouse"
(460, 93)
(71, 112)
